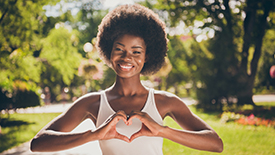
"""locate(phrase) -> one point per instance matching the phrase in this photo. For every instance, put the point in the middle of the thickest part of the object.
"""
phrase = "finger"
(137, 114)
(122, 137)
(112, 120)
(135, 135)
(130, 119)
(121, 112)
(117, 118)
(125, 116)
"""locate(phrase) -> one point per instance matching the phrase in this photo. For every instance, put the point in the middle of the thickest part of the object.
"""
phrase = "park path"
(91, 148)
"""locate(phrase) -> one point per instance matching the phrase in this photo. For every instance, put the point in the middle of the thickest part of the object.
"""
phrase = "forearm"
(50, 141)
(206, 140)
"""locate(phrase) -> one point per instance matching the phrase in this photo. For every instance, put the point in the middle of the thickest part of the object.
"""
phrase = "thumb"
(135, 135)
(122, 137)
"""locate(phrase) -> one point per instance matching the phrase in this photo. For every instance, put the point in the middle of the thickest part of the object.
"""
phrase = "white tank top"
(140, 146)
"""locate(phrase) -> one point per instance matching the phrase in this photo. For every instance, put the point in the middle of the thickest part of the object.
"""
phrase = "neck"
(127, 86)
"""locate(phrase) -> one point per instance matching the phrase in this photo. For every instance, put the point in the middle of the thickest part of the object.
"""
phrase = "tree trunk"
(245, 96)
(259, 30)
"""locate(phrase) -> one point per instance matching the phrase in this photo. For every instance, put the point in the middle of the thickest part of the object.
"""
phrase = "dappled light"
(220, 62)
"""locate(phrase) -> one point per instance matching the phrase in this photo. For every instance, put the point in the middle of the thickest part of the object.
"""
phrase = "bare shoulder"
(88, 102)
(167, 103)
(85, 107)
(171, 105)
(90, 98)
(167, 97)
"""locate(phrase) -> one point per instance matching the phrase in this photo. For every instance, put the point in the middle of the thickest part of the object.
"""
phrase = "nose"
(127, 56)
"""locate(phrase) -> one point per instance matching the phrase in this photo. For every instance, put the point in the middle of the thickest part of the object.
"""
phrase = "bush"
(24, 99)
(4, 100)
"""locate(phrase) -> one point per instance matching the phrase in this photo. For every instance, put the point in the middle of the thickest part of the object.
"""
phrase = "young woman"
(128, 116)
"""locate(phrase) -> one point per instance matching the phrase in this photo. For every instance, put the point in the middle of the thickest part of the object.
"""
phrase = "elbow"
(219, 149)
(34, 145)
(219, 146)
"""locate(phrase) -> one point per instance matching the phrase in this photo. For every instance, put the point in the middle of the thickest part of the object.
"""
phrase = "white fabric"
(140, 146)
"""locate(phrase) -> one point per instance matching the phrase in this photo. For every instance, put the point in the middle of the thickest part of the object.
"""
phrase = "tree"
(60, 58)
(263, 79)
(236, 46)
(20, 30)
(88, 19)
(179, 54)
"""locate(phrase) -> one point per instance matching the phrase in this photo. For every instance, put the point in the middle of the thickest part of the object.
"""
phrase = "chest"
(137, 103)
(127, 104)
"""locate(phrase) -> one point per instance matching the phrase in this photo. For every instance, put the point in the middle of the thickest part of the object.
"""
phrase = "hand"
(108, 129)
(149, 126)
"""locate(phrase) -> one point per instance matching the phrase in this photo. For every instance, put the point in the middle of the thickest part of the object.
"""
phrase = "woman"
(129, 116)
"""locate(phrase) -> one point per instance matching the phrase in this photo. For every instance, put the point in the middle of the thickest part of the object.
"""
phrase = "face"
(128, 55)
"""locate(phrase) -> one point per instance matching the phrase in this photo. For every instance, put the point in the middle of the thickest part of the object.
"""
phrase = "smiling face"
(128, 55)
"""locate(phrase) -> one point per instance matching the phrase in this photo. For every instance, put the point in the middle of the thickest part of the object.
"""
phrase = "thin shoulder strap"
(104, 109)
(151, 107)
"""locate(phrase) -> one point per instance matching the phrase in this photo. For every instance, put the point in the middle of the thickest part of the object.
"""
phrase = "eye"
(137, 52)
(118, 49)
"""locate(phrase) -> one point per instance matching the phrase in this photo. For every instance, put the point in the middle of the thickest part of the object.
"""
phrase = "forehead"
(130, 40)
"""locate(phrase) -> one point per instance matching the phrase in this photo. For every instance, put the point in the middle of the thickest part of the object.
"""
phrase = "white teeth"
(126, 67)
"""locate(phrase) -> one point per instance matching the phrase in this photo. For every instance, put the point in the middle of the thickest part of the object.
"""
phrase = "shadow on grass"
(6, 122)
(9, 135)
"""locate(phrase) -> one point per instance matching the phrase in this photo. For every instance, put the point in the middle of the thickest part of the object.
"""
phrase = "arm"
(195, 134)
(56, 135)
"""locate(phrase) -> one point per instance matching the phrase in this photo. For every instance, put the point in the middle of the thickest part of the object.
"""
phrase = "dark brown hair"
(135, 20)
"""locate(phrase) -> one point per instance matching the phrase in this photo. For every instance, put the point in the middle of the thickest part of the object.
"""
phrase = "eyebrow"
(137, 46)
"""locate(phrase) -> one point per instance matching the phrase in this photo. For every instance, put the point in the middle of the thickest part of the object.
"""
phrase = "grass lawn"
(20, 128)
(266, 104)
(238, 139)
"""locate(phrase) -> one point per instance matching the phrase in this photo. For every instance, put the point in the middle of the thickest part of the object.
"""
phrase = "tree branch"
(2, 17)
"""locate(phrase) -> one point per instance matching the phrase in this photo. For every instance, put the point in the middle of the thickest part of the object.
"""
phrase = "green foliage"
(87, 21)
(188, 59)
(61, 56)
(226, 64)
(219, 75)
(266, 61)
(21, 24)
(19, 66)
(177, 55)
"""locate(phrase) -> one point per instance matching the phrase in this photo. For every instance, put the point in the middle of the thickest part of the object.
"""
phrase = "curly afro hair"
(139, 21)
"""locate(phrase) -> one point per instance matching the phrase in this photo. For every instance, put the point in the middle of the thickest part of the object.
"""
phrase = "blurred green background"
(220, 53)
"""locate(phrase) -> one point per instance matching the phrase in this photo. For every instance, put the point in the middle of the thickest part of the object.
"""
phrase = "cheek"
(141, 61)
(111, 62)
(112, 58)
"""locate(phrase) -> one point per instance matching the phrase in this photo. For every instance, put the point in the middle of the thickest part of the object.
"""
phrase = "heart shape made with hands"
(126, 130)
